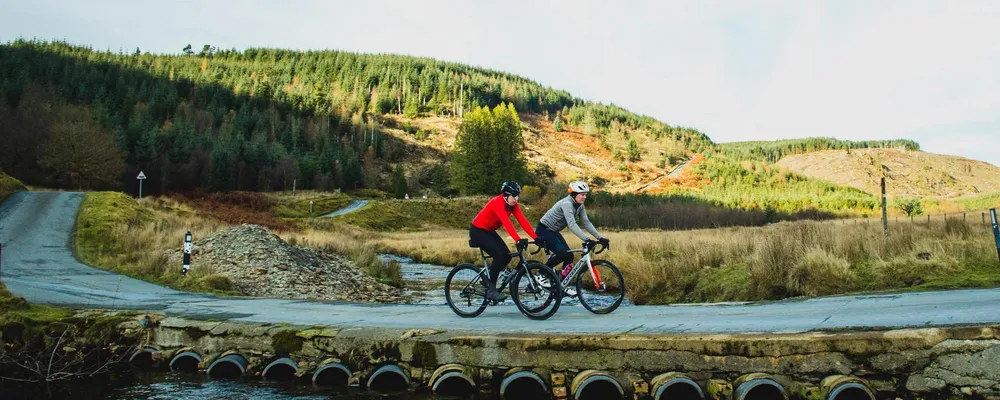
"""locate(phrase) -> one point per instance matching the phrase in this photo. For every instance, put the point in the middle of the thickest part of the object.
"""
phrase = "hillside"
(273, 119)
(911, 173)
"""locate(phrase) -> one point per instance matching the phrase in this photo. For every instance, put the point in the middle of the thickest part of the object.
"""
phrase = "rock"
(260, 264)
(922, 383)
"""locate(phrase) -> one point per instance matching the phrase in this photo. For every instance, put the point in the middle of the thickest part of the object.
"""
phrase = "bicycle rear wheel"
(603, 297)
(465, 290)
(535, 300)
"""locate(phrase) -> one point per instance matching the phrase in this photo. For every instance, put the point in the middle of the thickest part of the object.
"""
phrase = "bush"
(368, 262)
(530, 194)
(910, 207)
(370, 194)
(819, 273)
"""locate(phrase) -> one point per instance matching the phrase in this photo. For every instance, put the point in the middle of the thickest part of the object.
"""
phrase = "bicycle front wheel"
(536, 291)
(465, 290)
(602, 289)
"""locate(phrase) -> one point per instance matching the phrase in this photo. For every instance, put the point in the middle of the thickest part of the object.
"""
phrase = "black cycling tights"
(491, 242)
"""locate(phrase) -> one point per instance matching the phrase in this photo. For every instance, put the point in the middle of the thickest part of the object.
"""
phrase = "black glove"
(605, 242)
(539, 242)
(522, 244)
(589, 244)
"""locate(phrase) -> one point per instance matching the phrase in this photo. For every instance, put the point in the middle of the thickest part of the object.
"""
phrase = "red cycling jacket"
(495, 214)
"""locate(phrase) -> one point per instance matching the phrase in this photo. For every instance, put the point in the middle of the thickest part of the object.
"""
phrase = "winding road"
(354, 206)
(38, 264)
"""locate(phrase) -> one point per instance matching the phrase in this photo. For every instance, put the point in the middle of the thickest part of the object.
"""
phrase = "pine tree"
(488, 150)
(399, 186)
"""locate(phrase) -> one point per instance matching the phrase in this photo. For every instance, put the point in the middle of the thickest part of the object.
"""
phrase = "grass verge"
(118, 233)
(9, 185)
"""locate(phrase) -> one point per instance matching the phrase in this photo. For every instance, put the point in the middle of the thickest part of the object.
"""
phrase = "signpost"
(141, 178)
(996, 229)
(187, 253)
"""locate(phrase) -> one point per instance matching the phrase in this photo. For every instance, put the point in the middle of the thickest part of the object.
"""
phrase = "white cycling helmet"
(578, 187)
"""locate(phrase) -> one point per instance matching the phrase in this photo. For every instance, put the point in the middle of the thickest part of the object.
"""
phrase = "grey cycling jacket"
(562, 214)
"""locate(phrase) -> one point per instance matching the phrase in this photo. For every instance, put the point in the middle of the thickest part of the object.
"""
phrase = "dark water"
(170, 385)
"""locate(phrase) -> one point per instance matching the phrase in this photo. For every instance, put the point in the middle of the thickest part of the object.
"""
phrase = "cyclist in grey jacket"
(564, 213)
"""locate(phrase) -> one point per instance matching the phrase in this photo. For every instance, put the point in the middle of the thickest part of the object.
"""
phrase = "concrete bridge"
(932, 345)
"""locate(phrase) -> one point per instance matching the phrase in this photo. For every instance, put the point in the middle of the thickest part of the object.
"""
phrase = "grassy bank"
(46, 345)
(980, 202)
(394, 215)
(790, 259)
(296, 205)
(118, 233)
(9, 185)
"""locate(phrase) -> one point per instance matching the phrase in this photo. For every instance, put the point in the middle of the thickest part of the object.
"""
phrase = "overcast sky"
(736, 70)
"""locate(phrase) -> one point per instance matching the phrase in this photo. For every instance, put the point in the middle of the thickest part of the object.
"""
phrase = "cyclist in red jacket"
(483, 232)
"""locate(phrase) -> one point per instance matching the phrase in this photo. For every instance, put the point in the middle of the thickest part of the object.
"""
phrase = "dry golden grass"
(744, 264)
(731, 264)
(912, 173)
(118, 233)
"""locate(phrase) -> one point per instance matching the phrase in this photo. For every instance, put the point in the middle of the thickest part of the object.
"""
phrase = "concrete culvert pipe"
(842, 387)
(143, 359)
(388, 378)
(281, 370)
(451, 380)
(185, 361)
(758, 387)
(596, 385)
(676, 386)
(523, 385)
(331, 374)
(230, 366)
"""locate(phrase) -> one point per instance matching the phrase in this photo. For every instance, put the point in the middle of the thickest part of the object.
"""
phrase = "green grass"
(394, 215)
(297, 206)
(117, 233)
(9, 185)
(980, 202)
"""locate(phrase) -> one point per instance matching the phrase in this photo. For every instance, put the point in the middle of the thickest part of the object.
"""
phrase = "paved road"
(35, 229)
(354, 206)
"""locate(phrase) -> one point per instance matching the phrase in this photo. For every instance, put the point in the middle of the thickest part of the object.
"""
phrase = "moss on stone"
(424, 355)
(287, 342)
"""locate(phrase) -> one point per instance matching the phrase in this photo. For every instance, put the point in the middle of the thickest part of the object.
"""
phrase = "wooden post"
(885, 217)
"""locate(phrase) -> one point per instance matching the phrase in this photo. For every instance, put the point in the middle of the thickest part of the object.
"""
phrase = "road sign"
(141, 177)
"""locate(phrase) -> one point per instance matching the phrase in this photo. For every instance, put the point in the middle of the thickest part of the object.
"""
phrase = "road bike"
(465, 287)
(597, 284)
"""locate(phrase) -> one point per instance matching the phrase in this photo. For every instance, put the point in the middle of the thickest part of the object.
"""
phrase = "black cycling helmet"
(511, 188)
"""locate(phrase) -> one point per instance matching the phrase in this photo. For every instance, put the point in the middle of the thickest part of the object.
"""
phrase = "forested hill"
(259, 119)
(772, 151)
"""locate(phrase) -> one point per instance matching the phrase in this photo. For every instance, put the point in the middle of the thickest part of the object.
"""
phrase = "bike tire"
(605, 303)
(473, 287)
(551, 296)
(549, 300)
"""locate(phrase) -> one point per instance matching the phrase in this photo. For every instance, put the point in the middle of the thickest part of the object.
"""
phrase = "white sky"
(736, 70)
